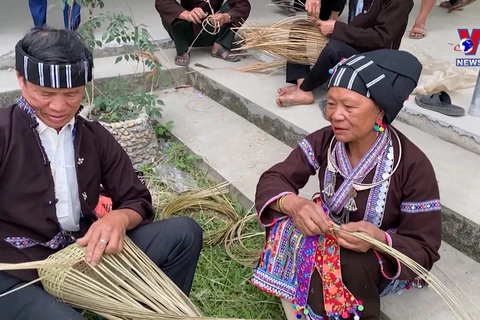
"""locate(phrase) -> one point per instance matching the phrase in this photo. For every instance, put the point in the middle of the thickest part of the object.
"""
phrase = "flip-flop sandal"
(460, 5)
(418, 29)
(184, 63)
(221, 51)
(439, 102)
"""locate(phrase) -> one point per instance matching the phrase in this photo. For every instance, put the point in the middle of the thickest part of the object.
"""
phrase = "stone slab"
(238, 151)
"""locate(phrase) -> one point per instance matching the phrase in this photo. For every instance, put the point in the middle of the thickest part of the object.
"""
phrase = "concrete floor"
(15, 20)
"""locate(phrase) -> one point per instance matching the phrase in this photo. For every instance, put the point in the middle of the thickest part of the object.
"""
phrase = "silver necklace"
(351, 205)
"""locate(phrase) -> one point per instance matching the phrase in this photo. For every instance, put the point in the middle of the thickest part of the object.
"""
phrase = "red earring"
(379, 126)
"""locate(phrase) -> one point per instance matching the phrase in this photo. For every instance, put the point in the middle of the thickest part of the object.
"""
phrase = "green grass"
(221, 286)
(222, 289)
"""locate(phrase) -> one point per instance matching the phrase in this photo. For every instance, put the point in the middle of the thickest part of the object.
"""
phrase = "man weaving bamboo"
(373, 25)
(52, 163)
(191, 23)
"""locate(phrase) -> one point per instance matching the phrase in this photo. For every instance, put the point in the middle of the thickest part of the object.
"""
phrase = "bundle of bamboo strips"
(461, 312)
(235, 246)
(212, 199)
(295, 39)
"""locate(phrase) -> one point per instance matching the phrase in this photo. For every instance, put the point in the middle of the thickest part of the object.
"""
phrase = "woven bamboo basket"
(123, 286)
(295, 39)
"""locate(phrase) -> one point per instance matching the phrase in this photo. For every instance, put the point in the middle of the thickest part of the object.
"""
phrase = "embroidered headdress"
(386, 76)
(65, 75)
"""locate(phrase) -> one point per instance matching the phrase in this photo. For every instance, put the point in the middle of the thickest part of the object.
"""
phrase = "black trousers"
(183, 35)
(333, 52)
(299, 71)
(326, 7)
(173, 244)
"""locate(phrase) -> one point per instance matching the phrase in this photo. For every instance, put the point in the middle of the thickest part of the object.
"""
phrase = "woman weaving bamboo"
(373, 180)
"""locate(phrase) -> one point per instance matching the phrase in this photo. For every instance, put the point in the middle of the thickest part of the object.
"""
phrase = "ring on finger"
(103, 241)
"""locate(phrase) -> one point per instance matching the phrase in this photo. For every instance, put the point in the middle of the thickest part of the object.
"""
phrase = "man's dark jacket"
(27, 195)
(381, 25)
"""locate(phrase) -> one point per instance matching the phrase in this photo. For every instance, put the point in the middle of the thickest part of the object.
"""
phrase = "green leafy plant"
(163, 130)
(120, 105)
(178, 155)
(115, 103)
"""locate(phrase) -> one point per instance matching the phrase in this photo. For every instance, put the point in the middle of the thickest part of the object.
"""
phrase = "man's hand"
(326, 27)
(352, 243)
(220, 18)
(105, 236)
(313, 7)
(195, 16)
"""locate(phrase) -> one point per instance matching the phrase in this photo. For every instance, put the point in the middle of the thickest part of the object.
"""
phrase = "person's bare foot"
(287, 89)
(295, 98)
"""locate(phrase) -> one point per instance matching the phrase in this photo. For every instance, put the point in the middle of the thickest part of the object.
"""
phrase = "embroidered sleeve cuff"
(269, 220)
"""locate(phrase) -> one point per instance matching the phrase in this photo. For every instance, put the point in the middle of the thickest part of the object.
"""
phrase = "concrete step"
(253, 96)
(236, 150)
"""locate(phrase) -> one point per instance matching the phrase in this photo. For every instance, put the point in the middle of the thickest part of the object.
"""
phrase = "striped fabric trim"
(421, 207)
(307, 149)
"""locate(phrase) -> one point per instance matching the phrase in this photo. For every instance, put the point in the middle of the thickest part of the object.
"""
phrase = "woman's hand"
(105, 235)
(313, 7)
(307, 216)
(353, 243)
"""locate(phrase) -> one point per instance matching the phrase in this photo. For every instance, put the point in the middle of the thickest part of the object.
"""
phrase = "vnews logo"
(468, 44)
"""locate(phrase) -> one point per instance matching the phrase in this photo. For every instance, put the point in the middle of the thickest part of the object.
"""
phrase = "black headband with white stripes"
(362, 74)
(52, 75)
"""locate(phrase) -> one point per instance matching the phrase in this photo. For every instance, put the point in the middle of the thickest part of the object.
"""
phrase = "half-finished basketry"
(123, 286)
(294, 39)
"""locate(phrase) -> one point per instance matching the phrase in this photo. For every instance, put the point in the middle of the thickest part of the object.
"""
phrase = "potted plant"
(126, 106)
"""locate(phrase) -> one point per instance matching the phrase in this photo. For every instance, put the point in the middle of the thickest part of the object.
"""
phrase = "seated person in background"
(373, 180)
(183, 22)
(324, 9)
(374, 25)
(52, 164)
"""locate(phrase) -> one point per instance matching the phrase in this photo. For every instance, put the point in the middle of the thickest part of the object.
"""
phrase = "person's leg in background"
(333, 52)
(296, 73)
(181, 32)
(71, 15)
(31, 302)
(223, 41)
(335, 7)
(38, 9)
(174, 245)
(419, 30)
